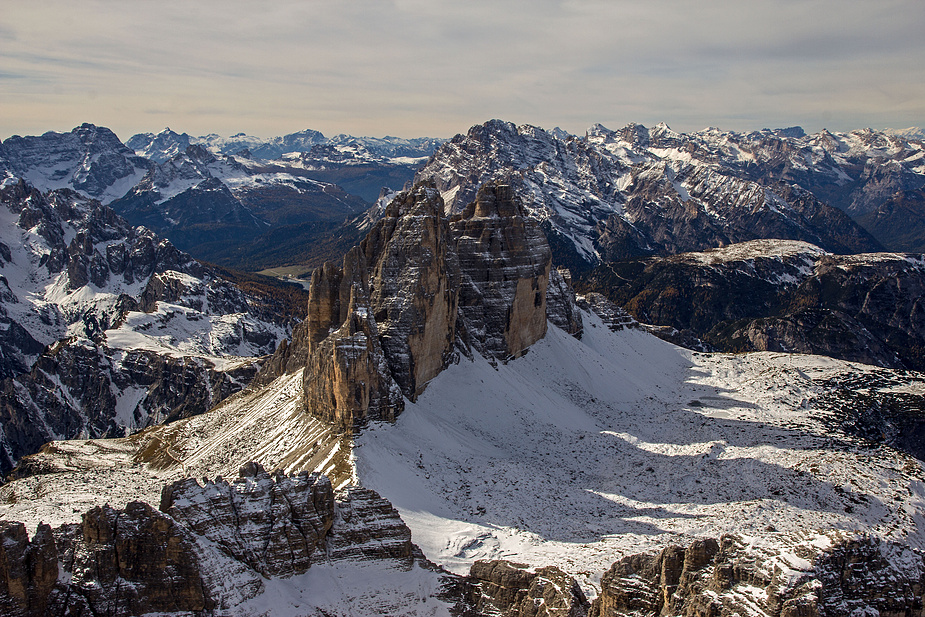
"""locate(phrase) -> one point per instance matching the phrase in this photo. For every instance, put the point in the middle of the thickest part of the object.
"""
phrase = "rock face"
(504, 260)
(117, 562)
(366, 526)
(419, 289)
(725, 577)
(89, 159)
(208, 549)
(414, 280)
(275, 525)
(611, 195)
(75, 389)
(561, 306)
(503, 588)
(773, 295)
(108, 328)
(347, 381)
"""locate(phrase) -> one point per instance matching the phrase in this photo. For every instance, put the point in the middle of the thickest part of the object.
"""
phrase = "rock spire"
(419, 289)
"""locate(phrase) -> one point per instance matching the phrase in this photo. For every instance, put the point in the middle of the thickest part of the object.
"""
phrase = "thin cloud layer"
(412, 68)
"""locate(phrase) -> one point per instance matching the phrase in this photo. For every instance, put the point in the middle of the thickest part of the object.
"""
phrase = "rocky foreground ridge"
(710, 577)
(420, 289)
(215, 548)
(207, 549)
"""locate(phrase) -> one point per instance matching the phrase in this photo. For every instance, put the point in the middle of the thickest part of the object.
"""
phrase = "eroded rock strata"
(847, 576)
(209, 548)
(500, 587)
(417, 291)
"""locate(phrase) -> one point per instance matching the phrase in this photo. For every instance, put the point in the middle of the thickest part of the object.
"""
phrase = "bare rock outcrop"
(414, 284)
(116, 562)
(561, 306)
(504, 260)
(275, 524)
(366, 526)
(852, 576)
(211, 547)
(419, 289)
(504, 588)
(347, 381)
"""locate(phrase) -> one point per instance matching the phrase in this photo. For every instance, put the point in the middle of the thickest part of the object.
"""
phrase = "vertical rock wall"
(504, 261)
(414, 281)
(418, 288)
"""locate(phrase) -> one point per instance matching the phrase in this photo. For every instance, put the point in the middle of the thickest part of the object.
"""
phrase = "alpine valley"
(727, 419)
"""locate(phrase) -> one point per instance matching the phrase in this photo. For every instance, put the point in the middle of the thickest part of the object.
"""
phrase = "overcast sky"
(434, 68)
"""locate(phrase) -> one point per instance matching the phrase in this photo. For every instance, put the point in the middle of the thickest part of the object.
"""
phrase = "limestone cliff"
(419, 288)
(346, 379)
(414, 282)
(504, 260)
(824, 576)
(209, 548)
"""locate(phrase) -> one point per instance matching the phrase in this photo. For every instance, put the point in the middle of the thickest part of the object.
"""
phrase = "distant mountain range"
(644, 191)
(227, 200)
(602, 196)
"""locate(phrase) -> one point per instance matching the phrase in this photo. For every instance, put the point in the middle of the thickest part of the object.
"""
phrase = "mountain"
(541, 457)
(90, 160)
(160, 147)
(369, 149)
(913, 132)
(360, 165)
(108, 329)
(785, 296)
(640, 191)
(224, 208)
(223, 199)
(261, 148)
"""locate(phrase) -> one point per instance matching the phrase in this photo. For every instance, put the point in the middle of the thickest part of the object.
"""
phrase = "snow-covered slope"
(108, 328)
(159, 147)
(575, 454)
(618, 443)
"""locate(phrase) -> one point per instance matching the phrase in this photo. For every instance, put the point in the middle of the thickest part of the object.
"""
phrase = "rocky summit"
(420, 289)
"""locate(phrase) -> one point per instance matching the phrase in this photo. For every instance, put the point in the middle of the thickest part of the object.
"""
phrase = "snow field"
(583, 451)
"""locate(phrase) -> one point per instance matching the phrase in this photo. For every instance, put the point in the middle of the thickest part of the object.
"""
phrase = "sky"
(412, 68)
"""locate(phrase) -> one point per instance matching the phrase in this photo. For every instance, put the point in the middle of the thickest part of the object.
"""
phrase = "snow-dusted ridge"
(108, 328)
(575, 454)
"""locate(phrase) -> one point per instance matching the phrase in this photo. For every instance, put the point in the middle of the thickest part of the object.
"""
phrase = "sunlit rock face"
(420, 288)
(414, 287)
(504, 260)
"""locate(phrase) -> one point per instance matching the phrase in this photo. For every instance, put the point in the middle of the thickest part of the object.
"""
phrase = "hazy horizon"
(411, 68)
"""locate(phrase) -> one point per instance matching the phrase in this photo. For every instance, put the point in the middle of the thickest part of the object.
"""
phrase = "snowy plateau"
(574, 455)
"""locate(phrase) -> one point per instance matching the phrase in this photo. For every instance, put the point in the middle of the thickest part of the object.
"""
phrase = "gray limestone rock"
(853, 576)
